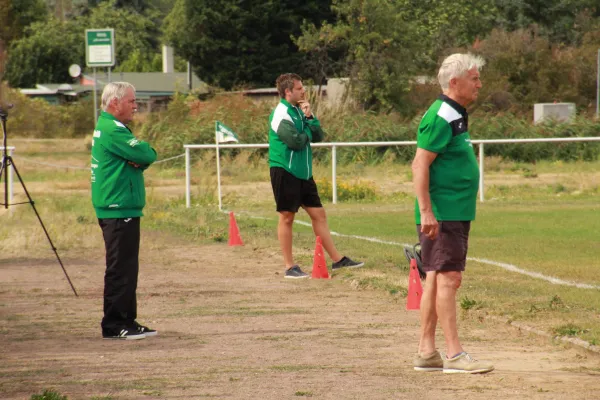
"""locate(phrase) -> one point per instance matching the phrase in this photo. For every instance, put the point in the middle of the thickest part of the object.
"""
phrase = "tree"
(231, 42)
(133, 31)
(381, 49)
(47, 49)
(44, 54)
(445, 25)
(558, 20)
(16, 15)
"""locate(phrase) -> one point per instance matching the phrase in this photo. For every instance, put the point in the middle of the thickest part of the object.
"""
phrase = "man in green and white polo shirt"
(446, 178)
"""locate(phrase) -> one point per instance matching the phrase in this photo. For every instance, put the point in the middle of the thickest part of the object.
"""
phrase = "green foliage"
(48, 48)
(44, 54)
(511, 127)
(37, 118)
(561, 21)
(48, 395)
(303, 393)
(231, 43)
(135, 33)
(449, 24)
(569, 329)
(15, 16)
(466, 303)
(191, 121)
(380, 43)
(529, 69)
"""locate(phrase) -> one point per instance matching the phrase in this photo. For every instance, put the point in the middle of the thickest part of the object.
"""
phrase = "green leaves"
(47, 48)
(232, 43)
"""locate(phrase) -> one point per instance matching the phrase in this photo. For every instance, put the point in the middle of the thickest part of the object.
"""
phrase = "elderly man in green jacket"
(119, 196)
(292, 127)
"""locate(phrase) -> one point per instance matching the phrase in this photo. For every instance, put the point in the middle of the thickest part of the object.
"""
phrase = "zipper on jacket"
(291, 158)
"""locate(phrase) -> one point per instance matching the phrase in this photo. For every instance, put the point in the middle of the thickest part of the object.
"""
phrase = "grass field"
(541, 218)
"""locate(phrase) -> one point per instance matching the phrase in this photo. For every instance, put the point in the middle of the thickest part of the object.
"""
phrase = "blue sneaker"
(295, 273)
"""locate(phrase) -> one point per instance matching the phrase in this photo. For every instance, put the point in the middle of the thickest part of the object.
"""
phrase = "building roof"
(152, 81)
(147, 84)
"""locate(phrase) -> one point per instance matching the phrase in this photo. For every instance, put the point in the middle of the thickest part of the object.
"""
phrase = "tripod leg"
(9, 159)
(4, 169)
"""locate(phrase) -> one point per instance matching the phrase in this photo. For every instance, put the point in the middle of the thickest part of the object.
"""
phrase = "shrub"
(360, 190)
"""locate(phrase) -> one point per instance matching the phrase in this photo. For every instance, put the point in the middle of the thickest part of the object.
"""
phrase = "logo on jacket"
(133, 142)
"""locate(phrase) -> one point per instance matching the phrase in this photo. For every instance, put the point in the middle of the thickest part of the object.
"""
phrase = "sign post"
(99, 52)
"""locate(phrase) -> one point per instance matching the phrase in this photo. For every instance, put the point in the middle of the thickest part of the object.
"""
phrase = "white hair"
(115, 90)
(457, 65)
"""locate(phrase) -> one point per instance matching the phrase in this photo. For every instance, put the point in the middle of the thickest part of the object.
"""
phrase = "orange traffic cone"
(319, 265)
(234, 232)
(415, 290)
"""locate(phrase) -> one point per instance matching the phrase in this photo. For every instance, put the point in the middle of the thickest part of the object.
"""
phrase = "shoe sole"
(136, 337)
(464, 371)
(148, 334)
(296, 277)
(428, 369)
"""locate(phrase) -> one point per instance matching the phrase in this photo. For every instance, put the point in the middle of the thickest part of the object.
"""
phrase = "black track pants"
(122, 242)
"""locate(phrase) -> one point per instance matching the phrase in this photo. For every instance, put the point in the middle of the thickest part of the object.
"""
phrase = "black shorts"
(448, 252)
(291, 192)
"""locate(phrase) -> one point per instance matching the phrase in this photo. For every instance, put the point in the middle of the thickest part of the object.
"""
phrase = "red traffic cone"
(415, 290)
(234, 232)
(319, 264)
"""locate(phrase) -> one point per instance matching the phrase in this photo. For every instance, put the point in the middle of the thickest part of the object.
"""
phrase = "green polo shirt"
(454, 174)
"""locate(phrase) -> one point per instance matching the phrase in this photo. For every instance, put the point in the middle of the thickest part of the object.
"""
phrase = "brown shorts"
(448, 252)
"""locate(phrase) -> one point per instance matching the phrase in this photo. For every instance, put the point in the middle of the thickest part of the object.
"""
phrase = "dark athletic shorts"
(291, 192)
(448, 252)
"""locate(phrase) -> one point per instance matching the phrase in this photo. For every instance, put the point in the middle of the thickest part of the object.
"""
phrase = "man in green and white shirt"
(446, 178)
(292, 128)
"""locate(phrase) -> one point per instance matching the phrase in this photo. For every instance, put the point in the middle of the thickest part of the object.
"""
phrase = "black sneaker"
(145, 330)
(295, 273)
(345, 262)
(124, 334)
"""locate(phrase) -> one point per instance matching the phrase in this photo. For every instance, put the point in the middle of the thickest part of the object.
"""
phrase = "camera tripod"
(7, 162)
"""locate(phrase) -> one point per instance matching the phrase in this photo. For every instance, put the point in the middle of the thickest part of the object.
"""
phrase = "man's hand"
(429, 225)
(133, 164)
(305, 107)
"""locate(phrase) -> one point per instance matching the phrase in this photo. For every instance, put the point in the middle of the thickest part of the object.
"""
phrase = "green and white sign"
(100, 47)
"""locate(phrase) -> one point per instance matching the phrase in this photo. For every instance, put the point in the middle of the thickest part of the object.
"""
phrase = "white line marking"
(506, 266)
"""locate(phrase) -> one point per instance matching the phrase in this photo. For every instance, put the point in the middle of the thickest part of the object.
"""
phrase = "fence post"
(333, 174)
(187, 177)
(481, 158)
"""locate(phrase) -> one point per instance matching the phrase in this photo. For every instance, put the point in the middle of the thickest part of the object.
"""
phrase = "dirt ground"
(230, 327)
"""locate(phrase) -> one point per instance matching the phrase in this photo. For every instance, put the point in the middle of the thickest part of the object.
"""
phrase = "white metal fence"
(8, 172)
(334, 146)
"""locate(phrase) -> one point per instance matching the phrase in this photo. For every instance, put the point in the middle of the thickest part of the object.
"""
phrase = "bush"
(360, 190)
(40, 119)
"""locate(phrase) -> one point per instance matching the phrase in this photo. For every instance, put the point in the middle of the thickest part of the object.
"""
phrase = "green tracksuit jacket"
(117, 186)
(290, 135)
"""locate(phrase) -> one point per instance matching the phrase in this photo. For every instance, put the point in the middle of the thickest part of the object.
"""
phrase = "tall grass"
(191, 121)
(188, 120)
